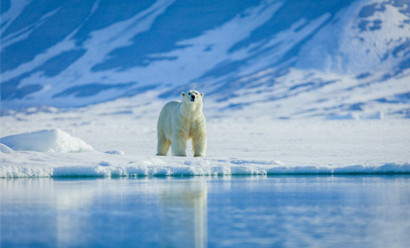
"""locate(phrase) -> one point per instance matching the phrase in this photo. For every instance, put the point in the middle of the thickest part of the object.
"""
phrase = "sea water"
(257, 211)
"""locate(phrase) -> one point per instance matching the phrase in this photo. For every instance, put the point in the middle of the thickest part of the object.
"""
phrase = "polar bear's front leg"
(199, 145)
(178, 144)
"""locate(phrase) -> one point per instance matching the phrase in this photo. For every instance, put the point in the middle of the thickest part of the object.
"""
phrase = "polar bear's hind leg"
(163, 145)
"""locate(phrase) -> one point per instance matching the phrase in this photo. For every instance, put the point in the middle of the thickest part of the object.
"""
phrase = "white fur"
(180, 121)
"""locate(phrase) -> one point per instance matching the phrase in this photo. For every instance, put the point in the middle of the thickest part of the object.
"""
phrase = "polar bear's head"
(192, 97)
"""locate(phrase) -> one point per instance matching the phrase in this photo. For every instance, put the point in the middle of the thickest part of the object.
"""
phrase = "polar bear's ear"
(202, 95)
(182, 94)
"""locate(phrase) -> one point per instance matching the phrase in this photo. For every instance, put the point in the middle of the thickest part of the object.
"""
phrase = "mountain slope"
(242, 54)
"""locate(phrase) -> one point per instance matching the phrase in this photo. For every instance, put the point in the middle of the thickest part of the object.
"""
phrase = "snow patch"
(5, 149)
(52, 140)
(104, 163)
(115, 152)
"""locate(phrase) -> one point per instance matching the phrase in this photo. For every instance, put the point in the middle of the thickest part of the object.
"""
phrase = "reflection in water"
(282, 211)
(182, 214)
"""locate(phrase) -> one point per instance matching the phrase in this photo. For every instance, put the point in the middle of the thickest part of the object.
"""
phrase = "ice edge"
(190, 171)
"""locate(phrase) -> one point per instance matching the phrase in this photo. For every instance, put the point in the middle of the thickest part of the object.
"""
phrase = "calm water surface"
(283, 211)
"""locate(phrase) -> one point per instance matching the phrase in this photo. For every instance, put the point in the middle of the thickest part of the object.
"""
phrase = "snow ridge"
(52, 140)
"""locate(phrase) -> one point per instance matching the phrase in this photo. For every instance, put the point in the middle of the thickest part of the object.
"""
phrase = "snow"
(272, 106)
(240, 43)
(123, 135)
(52, 140)
(5, 149)
(347, 48)
(43, 165)
(301, 94)
(115, 152)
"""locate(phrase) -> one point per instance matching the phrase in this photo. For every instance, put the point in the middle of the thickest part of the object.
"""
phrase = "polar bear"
(180, 121)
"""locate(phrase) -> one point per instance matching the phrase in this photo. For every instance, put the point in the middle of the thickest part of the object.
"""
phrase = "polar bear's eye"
(189, 93)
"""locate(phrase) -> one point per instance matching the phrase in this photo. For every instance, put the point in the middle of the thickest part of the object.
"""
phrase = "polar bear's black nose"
(192, 97)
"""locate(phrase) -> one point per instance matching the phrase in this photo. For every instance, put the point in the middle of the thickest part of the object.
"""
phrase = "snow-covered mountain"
(284, 58)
